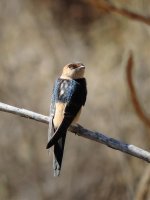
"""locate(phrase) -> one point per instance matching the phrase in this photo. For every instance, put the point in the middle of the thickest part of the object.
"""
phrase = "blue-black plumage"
(69, 95)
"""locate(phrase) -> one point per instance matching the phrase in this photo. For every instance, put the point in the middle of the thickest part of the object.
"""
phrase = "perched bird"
(68, 97)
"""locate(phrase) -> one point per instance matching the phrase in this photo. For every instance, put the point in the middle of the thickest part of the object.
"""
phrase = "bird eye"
(75, 65)
(72, 66)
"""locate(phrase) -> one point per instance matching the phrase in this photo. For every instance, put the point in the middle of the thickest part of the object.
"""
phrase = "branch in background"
(79, 130)
(101, 4)
(142, 190)
(135, 101)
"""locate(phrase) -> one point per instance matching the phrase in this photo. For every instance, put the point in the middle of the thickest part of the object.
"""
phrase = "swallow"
(68, 97)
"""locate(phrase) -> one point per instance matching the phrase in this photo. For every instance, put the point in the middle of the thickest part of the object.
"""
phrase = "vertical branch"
(143, 188)
(135, 101)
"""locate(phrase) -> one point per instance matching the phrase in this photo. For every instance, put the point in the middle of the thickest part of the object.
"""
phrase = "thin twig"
(80, 131)
(111, 8)
(138, 108)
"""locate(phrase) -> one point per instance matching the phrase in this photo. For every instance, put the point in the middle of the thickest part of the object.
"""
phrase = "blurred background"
(37, 38)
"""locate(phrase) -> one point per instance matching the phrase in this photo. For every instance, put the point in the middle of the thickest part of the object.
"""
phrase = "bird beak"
(81, 67)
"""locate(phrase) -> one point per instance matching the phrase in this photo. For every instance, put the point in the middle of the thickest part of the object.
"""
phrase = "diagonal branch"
(80, 131)
(121, 11)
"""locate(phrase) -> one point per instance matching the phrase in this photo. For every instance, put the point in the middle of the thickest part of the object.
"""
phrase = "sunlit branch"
(80, 131)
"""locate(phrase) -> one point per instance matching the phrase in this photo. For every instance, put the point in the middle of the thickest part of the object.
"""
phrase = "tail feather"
(57, 138)
(59, 131)
(58, 154)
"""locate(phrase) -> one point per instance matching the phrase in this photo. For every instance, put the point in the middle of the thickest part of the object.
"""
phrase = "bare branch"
(111, 8)
(24, 113)
(138, 108)
(80, 131)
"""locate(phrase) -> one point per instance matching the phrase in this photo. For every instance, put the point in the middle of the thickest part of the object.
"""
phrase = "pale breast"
(59, 114)
(76, 117)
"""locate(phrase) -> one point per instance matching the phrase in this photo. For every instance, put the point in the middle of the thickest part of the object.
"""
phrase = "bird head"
(73, 71)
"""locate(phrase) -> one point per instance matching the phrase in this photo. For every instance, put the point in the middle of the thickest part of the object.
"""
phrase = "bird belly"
(76, 117)
(59, 114)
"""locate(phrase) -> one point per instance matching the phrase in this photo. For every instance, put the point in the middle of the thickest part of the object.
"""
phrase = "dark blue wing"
(75, 97)
(51, 129)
